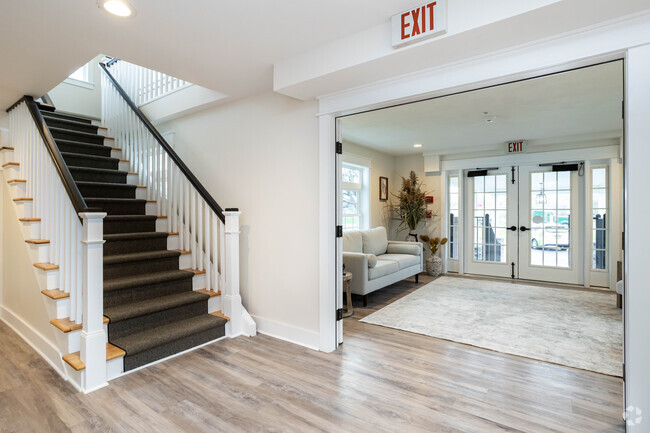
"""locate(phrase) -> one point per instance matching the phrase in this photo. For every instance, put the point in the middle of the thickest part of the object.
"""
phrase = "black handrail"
(47, 104)
(59, 164)
(163, 143)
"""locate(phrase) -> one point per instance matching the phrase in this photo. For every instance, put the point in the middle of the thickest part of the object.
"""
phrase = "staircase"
(152, 308)
(135, 260)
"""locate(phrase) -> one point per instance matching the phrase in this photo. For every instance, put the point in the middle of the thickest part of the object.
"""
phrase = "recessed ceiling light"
(417, 145)
(117, 7)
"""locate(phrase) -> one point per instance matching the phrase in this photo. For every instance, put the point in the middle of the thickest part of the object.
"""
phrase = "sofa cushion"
(353, 242)
(413, 248)
(403, 260)
(372, 260)
(375, 241)
(382, 268)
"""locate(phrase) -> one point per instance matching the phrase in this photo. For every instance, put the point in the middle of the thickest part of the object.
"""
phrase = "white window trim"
(354, 161)
(89, 84)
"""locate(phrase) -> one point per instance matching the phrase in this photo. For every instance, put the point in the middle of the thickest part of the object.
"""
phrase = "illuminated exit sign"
(420, 23)
(515, 146)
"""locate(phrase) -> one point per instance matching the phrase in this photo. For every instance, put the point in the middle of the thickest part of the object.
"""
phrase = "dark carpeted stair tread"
(91, 174)
(59, 115)
(90, 157)
(151, 338)
(127, 218)
(107, 184)
(79, 136)
(98, 171)
(122, 283)
(71, 125)
(132, 236)
(81, 148)
(139, 257)
(104, 189)
(118, 206)
(143, 308)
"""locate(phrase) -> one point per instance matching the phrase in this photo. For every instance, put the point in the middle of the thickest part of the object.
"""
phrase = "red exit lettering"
(417, 21)
(515, 146)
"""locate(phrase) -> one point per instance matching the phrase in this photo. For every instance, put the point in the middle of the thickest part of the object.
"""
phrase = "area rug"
(580, 329)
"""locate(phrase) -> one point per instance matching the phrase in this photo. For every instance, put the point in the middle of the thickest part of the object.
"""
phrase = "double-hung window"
(354, 190)
(82, 77)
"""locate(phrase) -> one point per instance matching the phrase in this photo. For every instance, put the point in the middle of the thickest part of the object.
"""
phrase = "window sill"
(79, 83)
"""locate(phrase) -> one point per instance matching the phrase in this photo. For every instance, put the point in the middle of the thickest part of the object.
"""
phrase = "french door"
(522, 223)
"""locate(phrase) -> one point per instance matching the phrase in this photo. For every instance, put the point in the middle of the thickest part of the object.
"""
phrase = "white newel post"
(93, 337)
(232, 300)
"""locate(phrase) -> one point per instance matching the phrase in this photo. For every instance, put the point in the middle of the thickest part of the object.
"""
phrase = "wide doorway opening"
(491, 219)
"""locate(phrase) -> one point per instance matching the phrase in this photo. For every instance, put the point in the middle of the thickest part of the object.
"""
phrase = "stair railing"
(74, 231)
(204, 229)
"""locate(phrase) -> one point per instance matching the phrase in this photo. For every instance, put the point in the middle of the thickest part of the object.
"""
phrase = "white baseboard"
(45, 348)
(289, 333)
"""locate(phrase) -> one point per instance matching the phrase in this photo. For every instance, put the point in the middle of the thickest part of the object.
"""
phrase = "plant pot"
(434, 266)
(412, 237)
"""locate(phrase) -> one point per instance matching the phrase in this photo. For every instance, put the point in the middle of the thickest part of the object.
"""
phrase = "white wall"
(80, 100)
(260, 154)
(637, 299)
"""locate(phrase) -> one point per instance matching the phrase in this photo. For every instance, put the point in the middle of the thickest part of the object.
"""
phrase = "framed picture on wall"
(383, 188)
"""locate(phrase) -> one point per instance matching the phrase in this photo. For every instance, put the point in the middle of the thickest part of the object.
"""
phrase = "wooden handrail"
(59, 164)
(210, 201)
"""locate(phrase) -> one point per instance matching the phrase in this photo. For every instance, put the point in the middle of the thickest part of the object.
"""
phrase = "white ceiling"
(228, 46)
(580, 104)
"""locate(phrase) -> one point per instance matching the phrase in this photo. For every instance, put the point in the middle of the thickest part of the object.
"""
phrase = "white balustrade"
(200, 229)
(75, 247)
(145, 85)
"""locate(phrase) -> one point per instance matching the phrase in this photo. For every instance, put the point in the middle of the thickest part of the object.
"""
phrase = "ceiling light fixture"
(417, 145)
(117, 7)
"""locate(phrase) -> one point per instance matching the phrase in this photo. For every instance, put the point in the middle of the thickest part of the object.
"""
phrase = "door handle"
(523, 228)
(512, 228)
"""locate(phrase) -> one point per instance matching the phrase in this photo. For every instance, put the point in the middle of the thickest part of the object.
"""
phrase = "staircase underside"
(150, 303)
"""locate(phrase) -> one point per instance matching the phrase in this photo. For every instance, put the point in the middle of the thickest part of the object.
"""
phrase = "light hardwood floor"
(381, 380)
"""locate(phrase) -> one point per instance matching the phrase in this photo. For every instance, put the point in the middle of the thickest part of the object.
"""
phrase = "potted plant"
(411, 208)
(433, 262)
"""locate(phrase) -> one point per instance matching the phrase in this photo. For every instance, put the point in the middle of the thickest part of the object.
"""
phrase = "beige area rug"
(579, 329)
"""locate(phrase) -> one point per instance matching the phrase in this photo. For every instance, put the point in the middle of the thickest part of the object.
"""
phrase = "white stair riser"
(57, 308)
(173, 242)
(124, 166)
(47, 280)
(39, 253)
(198, 282)
(214, 304)
(162, 225)
(114, 368)
(185, 261)
(24, 209)
(132, 179)
(17, 189)
(101, 131)
(141, 193)
(31, 229)
(109, 142)
(151, 209)
(116, 154)
(7, 156)
(11, 171)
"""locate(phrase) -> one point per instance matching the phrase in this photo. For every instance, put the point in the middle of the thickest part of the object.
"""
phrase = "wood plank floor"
(381, 380)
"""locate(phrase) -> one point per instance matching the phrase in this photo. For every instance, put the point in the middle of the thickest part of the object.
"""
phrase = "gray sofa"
(376, 262)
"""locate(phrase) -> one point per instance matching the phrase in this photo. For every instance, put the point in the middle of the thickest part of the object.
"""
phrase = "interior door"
(491, 245)
(549, 218)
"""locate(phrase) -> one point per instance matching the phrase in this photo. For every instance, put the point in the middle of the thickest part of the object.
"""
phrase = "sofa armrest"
(398, 247)
(357, 263)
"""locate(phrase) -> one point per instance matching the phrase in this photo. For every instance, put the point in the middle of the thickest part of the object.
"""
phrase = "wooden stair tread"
(24, 199)
(37, 241)
(74, 359)
(29, 220)
(184, 252)
(117, 149)
(195, 271)
(55, 294)
(66, 325)
(141, 186)
(10, 163)
(133, 173)
(211, 293)
(161, 217)
(109, 138)
(220, 314)
(7, 148)
(17, 181)
(102, 127)
(151, 201)
(173, 233)
(46, 266)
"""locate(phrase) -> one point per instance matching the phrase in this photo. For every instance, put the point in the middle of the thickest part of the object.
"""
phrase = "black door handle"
(512, 228)
(523, 228)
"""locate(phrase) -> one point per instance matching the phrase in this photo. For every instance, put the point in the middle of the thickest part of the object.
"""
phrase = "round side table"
(347, 282)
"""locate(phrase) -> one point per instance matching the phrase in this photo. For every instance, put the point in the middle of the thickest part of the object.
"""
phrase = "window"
(599, 206)
(82, 77)
(490, 218)
(453, 217)
(355, 197)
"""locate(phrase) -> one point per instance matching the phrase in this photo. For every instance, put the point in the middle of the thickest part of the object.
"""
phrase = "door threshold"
(552, 285)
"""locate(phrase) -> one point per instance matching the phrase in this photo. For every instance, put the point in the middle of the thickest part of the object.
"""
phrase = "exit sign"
(515, 146)
(419, 23)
